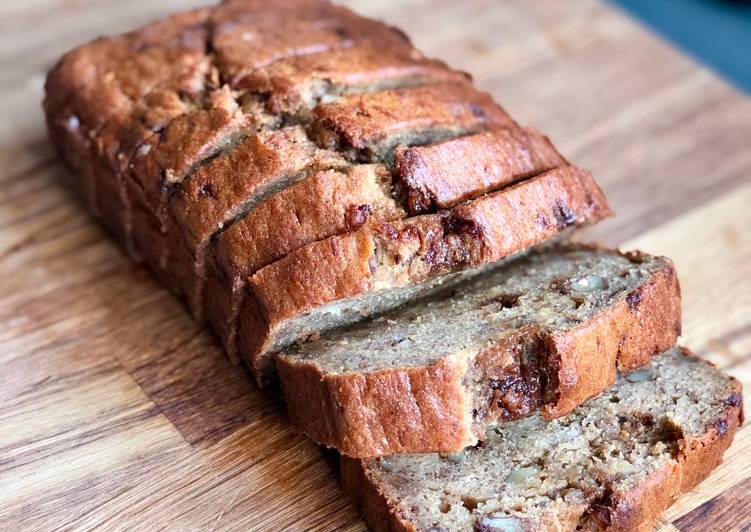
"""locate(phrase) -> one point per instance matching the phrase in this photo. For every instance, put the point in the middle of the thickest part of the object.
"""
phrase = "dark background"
(716, 32)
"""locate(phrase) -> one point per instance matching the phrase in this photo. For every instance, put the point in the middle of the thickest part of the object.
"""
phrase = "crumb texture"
(546, 291)
(570, 473)
(542, 331)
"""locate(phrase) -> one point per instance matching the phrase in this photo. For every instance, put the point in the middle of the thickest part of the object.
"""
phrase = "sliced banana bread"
(210, 120)
(546, 331)
(323, 204)
(333, 202)
(342, 279)
(615, 463)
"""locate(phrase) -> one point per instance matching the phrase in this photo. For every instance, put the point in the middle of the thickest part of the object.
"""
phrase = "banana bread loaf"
(225, 146)
(615, 463)
(547, 331)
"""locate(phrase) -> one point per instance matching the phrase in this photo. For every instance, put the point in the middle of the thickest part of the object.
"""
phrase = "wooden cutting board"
(118, 412)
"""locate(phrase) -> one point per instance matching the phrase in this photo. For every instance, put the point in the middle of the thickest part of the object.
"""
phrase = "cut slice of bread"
(323, 204)
(343, 279)
(444, 174)
(615, 463)
(228, 187)
(369, 126)
(546, 331)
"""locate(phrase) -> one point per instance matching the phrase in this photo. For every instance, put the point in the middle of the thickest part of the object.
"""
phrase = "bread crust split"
(421, 409)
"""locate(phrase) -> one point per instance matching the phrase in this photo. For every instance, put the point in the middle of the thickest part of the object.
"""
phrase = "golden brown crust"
(299, 30)
(444, 174)
(407, 410)
(307, 44)
(312, 276)
(103, 98)
(162, 161)
(219, 191)
(373, 123)
(379, 513)
(326, 203)
(368, 415)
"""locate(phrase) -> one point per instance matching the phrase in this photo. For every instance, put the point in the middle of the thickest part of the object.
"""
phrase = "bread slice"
(227, 188)
(444, 174)
(615, 463)
(345, 278)
(370, 126)
(546, 331)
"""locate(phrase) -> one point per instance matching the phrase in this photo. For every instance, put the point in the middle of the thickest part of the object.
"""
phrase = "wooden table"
(118, 412)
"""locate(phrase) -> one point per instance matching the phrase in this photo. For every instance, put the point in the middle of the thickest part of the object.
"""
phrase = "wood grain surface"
(118, 412)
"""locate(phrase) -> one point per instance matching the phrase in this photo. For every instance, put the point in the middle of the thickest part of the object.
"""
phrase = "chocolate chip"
(633, 299)
(542, 220)
(206, 189)
(504, 301)
(388, 230)
(398, 338)
(589, 199)
(477, 110)
(563, 215)
(460, 226)
(419, 202)
(357, 215)
(734, 400)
